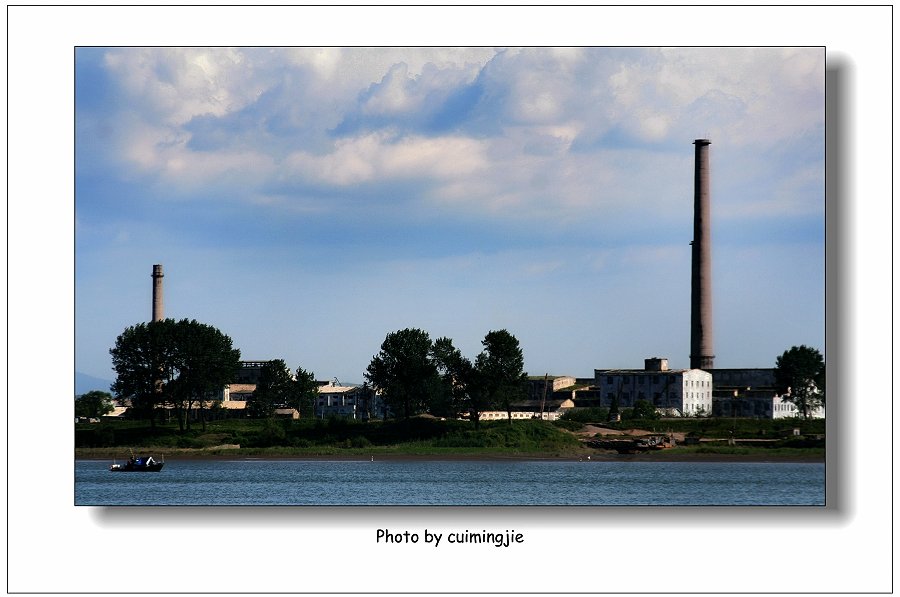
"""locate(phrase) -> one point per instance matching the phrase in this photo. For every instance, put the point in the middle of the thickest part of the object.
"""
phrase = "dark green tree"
(145, 363)
(205, 363)
(275, 389)
(306, 390)
(93, 404)
(800, 374)
(500, 370)
(614, 413)
(176, 363)
(456, 380)
(644, 410)
(404, 373)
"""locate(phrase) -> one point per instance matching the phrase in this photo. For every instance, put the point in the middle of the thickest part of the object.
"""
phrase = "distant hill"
(85, 383)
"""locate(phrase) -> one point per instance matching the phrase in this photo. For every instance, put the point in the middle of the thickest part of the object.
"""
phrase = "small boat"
(140, 464)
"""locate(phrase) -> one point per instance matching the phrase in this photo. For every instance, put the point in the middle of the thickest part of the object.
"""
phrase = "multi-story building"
(352, 402)
(673, 392)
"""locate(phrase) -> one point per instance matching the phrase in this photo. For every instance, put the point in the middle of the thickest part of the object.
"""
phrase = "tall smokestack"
(701, 264)
(157, 293)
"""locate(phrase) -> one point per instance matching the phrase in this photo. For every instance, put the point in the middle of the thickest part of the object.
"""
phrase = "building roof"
(535, 405)
(549, 377)
(642, 371)
(336, 389)
(241, 387)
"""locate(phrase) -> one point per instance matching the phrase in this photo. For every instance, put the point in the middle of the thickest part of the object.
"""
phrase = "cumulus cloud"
(381, 157)
(176, 84)
(507, 132)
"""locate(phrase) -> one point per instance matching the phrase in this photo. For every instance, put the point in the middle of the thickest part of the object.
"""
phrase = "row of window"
(657, 396)
(641, 380)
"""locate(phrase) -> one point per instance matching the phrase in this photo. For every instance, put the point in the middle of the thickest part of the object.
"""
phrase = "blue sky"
(309, 201)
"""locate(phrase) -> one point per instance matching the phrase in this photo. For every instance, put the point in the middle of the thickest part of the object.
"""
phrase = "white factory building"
(673, 392)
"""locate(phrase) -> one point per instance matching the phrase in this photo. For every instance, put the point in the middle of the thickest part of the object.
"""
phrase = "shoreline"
(486, 457)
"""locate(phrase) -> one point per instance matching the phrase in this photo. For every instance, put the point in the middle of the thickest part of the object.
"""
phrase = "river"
(400, 482)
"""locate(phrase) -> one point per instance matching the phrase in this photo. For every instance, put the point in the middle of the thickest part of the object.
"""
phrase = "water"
(514, 483)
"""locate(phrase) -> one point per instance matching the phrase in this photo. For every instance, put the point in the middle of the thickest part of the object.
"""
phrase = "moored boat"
(139, 464)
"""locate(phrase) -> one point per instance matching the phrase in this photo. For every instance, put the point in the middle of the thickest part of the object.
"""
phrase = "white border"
(55, 547)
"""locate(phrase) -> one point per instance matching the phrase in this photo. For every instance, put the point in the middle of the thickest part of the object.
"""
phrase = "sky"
(309, 201)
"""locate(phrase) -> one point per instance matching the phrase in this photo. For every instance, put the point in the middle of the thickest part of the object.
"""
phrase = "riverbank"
(433, 439)
(677, 454)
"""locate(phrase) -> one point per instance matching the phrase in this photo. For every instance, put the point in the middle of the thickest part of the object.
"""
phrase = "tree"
(176, 363)
(456, 375)
(93, 404)
(800, 375)
(500, 371)
(403, 372)
(144, 360)
(205, 363)
(279, 388)
(614, 413)
(305, 392)
(644, 410)
(274, 389)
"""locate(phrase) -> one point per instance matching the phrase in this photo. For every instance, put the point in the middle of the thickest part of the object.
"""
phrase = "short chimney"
(656, 364)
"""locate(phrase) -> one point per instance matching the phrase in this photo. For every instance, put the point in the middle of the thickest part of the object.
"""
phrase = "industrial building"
(673, 392)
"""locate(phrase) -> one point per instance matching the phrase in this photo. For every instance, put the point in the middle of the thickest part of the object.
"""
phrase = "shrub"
(271, 434)
(360, 441)
(586, 415)
(188, 442)
(568, 425)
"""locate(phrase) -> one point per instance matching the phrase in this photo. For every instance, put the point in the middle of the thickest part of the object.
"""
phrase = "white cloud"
(381, 157)
(392, 96)
(539, 139)
(177, 84)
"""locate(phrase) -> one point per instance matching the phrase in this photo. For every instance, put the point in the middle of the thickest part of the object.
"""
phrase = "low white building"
(783, 408)
(547, 410)
(673, 392)
(758, 404)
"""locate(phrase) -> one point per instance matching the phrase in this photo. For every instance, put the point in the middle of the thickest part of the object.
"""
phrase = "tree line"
(415, 375)
(180, 365)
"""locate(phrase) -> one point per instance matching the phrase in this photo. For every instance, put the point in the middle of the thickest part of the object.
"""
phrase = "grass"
(420, 437)
(335, 436)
